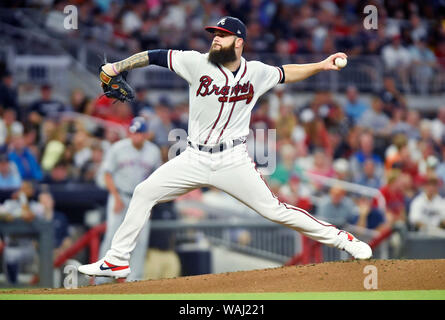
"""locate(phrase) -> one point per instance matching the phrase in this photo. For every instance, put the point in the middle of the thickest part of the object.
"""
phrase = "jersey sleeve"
(184, 63)
(266, 76)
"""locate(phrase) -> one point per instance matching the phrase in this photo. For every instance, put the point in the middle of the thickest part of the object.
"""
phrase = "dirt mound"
(330, 276)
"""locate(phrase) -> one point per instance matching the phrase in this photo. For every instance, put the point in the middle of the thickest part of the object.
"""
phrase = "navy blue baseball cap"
(138, 124)
(231, 25)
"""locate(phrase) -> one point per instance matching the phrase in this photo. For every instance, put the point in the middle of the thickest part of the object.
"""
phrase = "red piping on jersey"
(170, 60)
(227, 122)
(220, 110)
(249, 98)
(288, 206)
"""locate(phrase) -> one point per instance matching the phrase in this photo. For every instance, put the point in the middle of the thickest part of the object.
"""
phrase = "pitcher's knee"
(144, 190)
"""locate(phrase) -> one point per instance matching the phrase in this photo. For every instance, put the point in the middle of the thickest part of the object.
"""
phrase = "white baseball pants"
(231, 171)
(114, 220)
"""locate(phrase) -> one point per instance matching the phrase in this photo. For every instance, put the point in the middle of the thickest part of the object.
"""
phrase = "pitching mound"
(330, 276)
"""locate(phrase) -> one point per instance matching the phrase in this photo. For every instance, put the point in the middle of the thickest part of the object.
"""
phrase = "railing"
(352, 188)
(45, 234)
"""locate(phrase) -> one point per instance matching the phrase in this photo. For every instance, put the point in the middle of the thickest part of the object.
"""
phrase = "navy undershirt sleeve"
(282, 69)
(158, 57)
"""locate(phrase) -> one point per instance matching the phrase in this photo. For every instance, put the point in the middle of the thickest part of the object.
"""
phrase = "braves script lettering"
(240, 91)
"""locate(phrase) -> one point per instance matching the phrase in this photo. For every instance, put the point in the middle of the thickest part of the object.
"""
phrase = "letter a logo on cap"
(223, 21)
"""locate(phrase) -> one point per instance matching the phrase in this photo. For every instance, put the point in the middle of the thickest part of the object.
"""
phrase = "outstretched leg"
(176, 177)
(246, 184)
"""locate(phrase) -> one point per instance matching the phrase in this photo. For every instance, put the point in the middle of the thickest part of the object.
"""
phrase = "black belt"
(216, 148)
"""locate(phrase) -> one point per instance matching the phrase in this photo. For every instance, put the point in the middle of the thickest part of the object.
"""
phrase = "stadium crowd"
(378, 143)
(410, 36)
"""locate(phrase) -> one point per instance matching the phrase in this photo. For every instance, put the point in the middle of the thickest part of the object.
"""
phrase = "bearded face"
(222, 55)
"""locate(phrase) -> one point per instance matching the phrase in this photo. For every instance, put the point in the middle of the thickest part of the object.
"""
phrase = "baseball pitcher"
(223, 89)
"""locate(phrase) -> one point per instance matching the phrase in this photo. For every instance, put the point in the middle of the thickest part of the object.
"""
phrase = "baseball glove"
(116, 87)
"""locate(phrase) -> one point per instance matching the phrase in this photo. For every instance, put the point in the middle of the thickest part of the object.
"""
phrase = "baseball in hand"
(341, 62)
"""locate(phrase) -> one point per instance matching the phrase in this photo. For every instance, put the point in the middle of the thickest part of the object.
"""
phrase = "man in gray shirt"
(337, 208)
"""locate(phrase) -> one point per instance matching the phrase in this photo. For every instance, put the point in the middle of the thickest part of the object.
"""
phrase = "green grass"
(361, 295)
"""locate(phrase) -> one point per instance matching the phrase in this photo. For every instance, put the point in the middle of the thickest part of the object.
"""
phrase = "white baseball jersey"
(220, 103)
(219, 111)
(128, 165)
(429, 212)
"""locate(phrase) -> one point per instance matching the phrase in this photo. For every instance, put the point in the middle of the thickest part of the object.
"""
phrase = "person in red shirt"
(394, 197)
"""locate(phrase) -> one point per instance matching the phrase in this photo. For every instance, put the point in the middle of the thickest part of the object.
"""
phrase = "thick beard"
(223, 55)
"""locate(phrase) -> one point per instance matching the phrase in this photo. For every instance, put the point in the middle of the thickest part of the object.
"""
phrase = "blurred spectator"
(427, 211)
(341, 169)
(80, 102)
(140, 103)
(397, 60)
(438, 125)
(345, 146)
(180, 115)
(161, 125)
(424, 65)
(321, 167)
(286, 165)
(440, 170)
(54, 149)
(260, 116)
(102, 107)
(45, 107)
(90, 169)
(120, 113)
(398, 124)
(8, 93)
(316, 134)
(391, 97)
(369, 177)
(110, 136)
(82, 149)
(354, 106)
(285, 124)
(370, 217)
(392, 191)
(417, 27)
(26, 162)
(439, 52)
(61, 173)
(365, 152)
(9, 175)
(276, 98)
(427, 148)
(296, 193)
(375, 119)
(9, 125)
(337, 208)
(410, 188)
(413, 121)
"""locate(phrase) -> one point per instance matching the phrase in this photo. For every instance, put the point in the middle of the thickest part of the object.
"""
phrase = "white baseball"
(341, 62)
